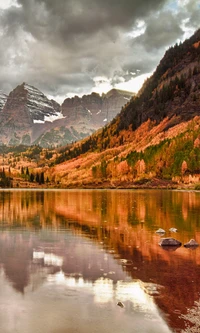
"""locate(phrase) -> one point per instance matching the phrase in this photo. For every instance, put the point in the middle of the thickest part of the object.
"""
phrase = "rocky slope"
(27, 116)
(96, 109)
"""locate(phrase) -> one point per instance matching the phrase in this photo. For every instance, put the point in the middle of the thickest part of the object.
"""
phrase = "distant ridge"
(28, 117)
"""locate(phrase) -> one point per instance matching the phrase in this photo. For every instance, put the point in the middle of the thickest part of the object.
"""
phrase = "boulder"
(120, 304)
(170, 248)
(169, 241)
(160, 231)
(173, 230)
(191, 243)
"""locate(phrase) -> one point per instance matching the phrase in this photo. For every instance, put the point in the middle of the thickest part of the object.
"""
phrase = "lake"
(86, 261)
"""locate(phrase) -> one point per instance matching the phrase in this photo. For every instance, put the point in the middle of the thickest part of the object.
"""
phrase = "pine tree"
(27, 171)
(42, 178)
(32, 177)
(37, 178)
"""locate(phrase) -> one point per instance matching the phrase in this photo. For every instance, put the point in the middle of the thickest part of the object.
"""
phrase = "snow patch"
(99, 112)
(40, 103)
(54, 117)
(89, 111)
(3, 99)
(35, 121)
(105, 119)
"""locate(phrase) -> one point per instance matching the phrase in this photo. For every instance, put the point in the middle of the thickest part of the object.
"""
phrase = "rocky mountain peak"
(41, 109)
(27, 116)
(96, 109)
(24, 107)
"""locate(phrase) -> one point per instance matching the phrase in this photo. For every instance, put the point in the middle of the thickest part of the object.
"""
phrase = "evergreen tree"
(27, 171)
(42, 178)
(32, 177)
(37, 178)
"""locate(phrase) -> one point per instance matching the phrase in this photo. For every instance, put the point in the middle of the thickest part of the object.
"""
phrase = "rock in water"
(169, 241)
(120, 304)
(191, 243)
(173, 230)
(160, 231)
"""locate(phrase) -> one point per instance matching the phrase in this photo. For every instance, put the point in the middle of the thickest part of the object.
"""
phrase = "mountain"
(23, 109)
(27, 116)
(98, 110)
(155, 137)
(84, 115)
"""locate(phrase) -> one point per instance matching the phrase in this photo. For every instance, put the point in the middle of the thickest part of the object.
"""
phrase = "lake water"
(67, 257)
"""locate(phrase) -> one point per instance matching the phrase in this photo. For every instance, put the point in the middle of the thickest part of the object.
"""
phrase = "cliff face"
(27, 116)
(96, 109)
(82, 116)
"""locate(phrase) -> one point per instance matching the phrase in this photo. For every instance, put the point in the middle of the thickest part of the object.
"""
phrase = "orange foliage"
(184, 167)
(141, 167)
(197, 143)
(196, 45)
(123, 168)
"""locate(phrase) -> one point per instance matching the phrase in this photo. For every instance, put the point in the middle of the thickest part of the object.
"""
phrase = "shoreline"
(147, 184)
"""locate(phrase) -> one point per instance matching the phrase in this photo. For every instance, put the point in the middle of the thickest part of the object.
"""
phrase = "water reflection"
(95, 248)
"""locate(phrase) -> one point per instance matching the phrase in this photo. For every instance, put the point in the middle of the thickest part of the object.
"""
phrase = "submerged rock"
(173, 230)
(191, 243)
(170, 248)
(160, 231)
(169, 241)
(121, 304)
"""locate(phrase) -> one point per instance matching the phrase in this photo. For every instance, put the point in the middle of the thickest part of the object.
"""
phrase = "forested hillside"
(155, 135)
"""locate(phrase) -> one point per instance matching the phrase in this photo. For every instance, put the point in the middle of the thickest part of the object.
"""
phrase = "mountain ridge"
(28, 117)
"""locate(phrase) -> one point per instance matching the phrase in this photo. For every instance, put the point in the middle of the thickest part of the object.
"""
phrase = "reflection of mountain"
(118, 225)
(23, 255)
(15, 260)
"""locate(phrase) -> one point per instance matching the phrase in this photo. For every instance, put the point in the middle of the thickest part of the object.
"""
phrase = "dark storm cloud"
(161, 31)
(193, 7)
(60, 46)
(65, 20)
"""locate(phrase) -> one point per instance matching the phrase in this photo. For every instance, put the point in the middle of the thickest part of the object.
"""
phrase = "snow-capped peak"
(40, 107)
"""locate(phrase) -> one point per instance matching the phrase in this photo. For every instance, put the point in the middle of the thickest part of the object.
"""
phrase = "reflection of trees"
(122, 208)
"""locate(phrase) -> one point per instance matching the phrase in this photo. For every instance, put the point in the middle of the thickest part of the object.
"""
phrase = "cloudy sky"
(68, 47)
